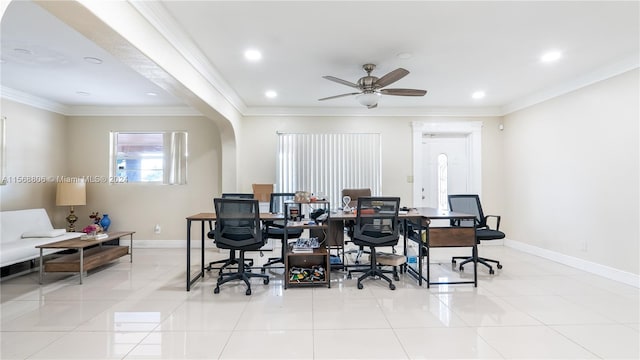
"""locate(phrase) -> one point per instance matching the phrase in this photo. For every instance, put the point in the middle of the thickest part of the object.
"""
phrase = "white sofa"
(15, 248)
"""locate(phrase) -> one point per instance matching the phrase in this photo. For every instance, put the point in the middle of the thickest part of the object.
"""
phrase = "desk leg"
(422, 255)
(131, 248)
(202, 249)
(188, 255)
(81, 264)
(41, 265)
(475, 265)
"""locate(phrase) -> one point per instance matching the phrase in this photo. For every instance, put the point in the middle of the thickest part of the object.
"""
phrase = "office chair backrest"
(237, 222)
(237, 196)
(468, 204)
(276, 205)
(262, 192)
(377, 220)
(354, 194)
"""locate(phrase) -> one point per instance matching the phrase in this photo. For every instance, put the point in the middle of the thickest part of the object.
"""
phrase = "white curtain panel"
(324, 164)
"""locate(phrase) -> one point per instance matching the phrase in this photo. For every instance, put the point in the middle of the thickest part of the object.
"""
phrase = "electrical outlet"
(157, 229)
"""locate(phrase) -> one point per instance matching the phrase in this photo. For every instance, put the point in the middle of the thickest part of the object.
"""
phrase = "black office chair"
(376, 226)
(470, 204)
(238, 228)
(275, 229)
(231, 260)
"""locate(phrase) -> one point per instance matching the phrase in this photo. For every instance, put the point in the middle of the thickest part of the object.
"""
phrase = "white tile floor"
(532, 308)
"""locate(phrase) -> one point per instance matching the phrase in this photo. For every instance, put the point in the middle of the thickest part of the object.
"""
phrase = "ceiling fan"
(371, 87)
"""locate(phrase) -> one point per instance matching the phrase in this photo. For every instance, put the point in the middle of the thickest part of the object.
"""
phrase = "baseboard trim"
(588, 266)
(167, 244)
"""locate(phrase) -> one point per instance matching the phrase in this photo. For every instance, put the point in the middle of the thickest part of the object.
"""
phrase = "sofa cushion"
(44, 233)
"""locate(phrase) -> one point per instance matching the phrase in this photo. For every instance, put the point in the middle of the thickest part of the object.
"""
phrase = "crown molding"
(160, 19)
(605, 72)
(48, 105)
(381, 111)
(32, 100)
(132, 111)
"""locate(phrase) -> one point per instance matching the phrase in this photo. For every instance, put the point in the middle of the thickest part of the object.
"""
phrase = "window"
(325, 164)
(149, 157)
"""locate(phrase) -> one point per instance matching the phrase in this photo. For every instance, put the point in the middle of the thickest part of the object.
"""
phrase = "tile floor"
(532, 308)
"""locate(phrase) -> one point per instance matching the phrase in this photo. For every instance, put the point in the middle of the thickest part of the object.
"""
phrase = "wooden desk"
(85, 260)
(442, 237)
(421, 216)
(203, 218)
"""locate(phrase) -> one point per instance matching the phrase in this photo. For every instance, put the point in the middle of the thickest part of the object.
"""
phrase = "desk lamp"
(71, 193)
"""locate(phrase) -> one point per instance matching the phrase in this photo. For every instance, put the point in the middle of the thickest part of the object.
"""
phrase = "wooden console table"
(89, 256)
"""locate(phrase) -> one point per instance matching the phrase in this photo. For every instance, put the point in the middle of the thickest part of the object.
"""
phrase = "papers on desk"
(305, 245)
(94, 237)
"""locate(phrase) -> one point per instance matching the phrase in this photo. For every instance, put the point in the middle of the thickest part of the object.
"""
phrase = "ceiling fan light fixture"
(368, 99)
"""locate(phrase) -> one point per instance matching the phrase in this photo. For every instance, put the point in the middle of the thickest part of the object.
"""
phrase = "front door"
(445, 168)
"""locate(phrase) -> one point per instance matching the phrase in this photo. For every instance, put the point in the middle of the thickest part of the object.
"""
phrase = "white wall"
(571, 174)
(257, 160)
(36, 143)
(140, 206)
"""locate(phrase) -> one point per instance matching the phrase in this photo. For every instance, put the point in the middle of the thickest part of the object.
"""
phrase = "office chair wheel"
(396, 277)
(263, 270)
(250, 262)
(461, 268)
(453, 261)
(392, 287)
(266, 281)
(349, 276)
(216, 290)
(360, 286)
(499, 266)
(491, 272)
(248, 292)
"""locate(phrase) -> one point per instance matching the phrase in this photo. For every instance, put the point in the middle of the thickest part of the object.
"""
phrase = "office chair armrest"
(497, 220)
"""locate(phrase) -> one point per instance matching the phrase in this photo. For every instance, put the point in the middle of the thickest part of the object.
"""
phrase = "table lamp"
(71, 193)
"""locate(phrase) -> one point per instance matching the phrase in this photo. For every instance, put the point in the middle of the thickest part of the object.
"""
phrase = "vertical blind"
(324, 164)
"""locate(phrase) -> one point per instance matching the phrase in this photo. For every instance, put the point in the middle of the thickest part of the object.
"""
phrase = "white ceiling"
(456, 48)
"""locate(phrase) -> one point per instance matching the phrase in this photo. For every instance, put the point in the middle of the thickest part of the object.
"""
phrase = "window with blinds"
(324, 164)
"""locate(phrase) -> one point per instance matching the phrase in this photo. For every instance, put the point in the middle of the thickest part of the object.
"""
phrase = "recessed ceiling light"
(404, 55)
(271, 94)
(83, 93)
(252, 55)
(150, 93)
(551, 56)
(478, 95)
(92, 60)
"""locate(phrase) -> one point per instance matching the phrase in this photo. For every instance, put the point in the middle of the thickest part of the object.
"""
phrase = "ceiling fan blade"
(338, 96)
(340, 81)
(403, 92)
(391, 77)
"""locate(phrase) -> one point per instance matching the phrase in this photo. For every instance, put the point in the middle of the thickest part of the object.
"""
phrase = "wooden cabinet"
(301, 268)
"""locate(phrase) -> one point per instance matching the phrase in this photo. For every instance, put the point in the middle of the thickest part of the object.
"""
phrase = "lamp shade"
(73, 192)
(368, 98)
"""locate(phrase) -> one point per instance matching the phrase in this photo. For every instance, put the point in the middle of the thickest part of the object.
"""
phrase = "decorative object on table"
(302, 197)
(95, 217)
(105, 222)
(71, 192)
(345, 201)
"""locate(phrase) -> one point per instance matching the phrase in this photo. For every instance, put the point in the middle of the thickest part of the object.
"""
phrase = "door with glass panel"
(446, 168)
